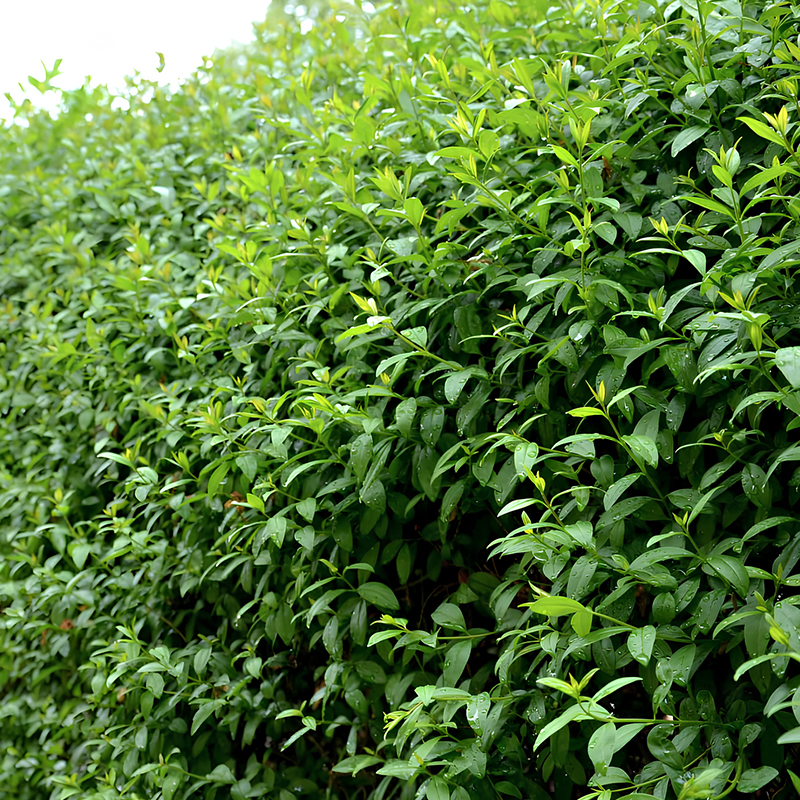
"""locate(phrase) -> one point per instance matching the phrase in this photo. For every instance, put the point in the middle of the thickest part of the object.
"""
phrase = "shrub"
(407, 410)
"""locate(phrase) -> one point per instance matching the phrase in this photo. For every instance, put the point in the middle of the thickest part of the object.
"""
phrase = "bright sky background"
(109, 39)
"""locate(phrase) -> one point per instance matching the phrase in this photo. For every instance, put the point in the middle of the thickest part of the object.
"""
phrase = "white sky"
(111, 39)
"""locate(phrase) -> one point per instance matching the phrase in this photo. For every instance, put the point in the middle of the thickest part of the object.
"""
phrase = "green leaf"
(294, 737)
(201, 659)
(206, 709)
(307, 508)
(216, 478)
(630, 222)
(419, 336)
(451, 499)
(787, 360)
(354, 764)
(525, 456)
(506, 787)
(438, 789)
(248, 465)
(765, 176)
(276, 529)
(681, 663)
(357, 330)
(170, 784)
(619, 488)
(754, 779)
(431, 425)
(643, 448)
(404, 414)
(586, 412)
(613, 686)
(697, 258)
(640, 644)
(606, 231)
(155, 684)
(557, 724)
(662, 748)
(686, 137)
(221, 774)
(449, 616)
(459, 152)
(374, 496)
(382, 636)
(582, 533)
(360, 455)
(732, 571)
(455, 661)
(80, 553)
(602, 746)
(454, 384)
(399, 768)
(791, 453)
(414, 211)
(710, 205)
(379, 594)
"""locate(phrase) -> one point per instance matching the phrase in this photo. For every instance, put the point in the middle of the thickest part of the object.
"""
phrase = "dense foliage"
(410, 409)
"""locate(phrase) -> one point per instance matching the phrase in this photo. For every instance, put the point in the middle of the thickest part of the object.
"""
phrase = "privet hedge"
(410, 409)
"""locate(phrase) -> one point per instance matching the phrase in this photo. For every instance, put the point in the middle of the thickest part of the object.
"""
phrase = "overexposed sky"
(111, 39)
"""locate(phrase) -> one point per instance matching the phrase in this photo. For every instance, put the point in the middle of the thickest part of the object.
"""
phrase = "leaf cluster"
(407, 408)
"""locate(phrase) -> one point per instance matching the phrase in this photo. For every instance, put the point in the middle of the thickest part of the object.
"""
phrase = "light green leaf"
(582, 622)
(586, 412)
(555, 606)
(564, 155)
(762, 130)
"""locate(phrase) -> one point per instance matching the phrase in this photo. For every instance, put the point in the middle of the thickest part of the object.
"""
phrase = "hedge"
(408, 408)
